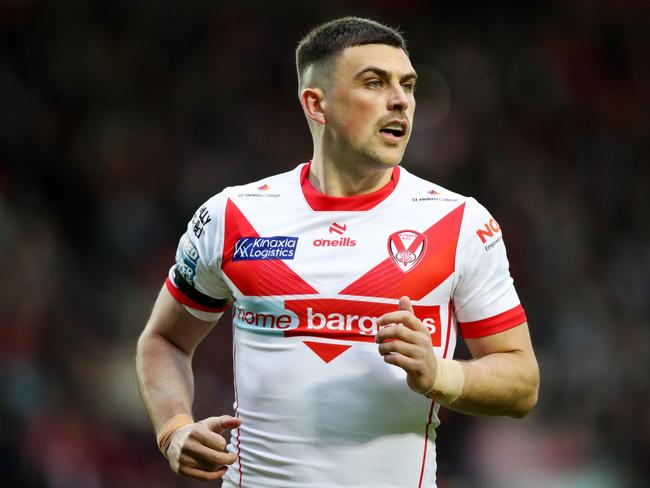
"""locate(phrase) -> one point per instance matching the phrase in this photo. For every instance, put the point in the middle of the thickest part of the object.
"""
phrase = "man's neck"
(347, 179)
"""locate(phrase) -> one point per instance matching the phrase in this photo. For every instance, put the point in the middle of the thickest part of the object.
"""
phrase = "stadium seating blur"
(117, 119)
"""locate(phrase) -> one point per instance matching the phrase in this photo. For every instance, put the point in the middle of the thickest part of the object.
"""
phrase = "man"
(349, 279)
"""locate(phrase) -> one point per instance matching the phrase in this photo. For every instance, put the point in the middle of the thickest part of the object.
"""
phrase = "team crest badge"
(406, 247)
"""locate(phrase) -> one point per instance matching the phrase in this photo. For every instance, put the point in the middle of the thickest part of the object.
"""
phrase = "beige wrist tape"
(167, 431)
(449, 382)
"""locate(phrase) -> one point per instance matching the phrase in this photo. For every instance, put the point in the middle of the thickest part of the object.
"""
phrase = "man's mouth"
(394, 131)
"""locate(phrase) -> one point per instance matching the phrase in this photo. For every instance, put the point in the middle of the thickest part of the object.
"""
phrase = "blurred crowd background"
(117, 119)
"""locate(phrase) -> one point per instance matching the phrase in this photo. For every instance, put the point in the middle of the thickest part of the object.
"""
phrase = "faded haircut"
(326, 41)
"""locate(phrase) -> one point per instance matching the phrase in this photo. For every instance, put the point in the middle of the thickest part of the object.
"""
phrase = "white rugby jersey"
(307, 276)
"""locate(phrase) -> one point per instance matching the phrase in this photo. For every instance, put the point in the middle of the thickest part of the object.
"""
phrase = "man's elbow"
(525, 406)
(144, 343)
(528, 401)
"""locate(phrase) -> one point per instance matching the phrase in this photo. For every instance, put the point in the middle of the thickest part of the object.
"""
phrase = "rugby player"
(350, 280)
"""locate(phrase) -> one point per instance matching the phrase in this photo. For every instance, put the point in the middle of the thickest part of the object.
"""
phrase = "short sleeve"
(195, 278)
(485, 299)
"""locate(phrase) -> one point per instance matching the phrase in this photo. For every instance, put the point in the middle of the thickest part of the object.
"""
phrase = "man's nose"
(398, 100)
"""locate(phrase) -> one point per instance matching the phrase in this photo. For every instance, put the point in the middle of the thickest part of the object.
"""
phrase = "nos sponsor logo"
(488, 230)
(265, 248)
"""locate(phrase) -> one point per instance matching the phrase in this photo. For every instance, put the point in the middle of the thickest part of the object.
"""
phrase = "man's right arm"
(164, 368)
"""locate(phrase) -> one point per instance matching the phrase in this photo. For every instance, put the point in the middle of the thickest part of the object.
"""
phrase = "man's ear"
(313, 103)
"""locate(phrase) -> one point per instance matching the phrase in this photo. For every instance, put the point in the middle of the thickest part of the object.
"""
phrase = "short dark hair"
(327, 40)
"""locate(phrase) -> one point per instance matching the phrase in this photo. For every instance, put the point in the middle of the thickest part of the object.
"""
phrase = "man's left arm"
(502, 379)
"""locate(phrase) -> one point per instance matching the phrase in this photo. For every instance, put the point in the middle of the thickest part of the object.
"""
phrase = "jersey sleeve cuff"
(493, 325)
(181, 297)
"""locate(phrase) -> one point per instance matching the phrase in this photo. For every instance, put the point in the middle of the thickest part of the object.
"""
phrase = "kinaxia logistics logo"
(265, 248)
(342, 241)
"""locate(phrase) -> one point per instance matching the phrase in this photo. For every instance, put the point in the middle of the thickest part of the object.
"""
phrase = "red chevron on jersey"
(256, 278)
(306, 366)
(326, 351)
(435, 265)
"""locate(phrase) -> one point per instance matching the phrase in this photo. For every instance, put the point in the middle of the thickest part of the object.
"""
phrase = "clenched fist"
(199, 451)
(405, 342)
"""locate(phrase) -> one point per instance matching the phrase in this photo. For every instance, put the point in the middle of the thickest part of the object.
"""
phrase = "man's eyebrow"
(382, 73)
(410, 76)
(372, 69)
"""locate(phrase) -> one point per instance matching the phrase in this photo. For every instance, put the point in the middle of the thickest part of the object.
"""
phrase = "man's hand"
(405, 342)
(199, 451)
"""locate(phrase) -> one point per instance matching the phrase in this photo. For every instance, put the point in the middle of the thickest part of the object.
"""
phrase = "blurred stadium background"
(118, 118)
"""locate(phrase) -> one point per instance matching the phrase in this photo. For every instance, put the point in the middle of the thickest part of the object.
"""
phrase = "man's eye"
(374, 84)
(409, 87)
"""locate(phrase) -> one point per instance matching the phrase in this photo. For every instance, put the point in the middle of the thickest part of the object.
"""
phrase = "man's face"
(369, 106)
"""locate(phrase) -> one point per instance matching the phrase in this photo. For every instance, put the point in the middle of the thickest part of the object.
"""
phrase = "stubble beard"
(379, 156)
(371, 155)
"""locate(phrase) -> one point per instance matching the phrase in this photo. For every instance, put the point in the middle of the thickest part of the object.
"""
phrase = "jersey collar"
(320, 202)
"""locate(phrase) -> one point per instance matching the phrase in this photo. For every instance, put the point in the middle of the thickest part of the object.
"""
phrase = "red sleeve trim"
(493, 325)
(185, 300)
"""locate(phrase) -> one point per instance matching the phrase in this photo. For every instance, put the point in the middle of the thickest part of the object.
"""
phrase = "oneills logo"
(338, 228)
(342, 241)
(406, 247)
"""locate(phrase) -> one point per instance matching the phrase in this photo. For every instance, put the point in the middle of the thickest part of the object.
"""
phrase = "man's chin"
(388, 159)
(378, 158)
